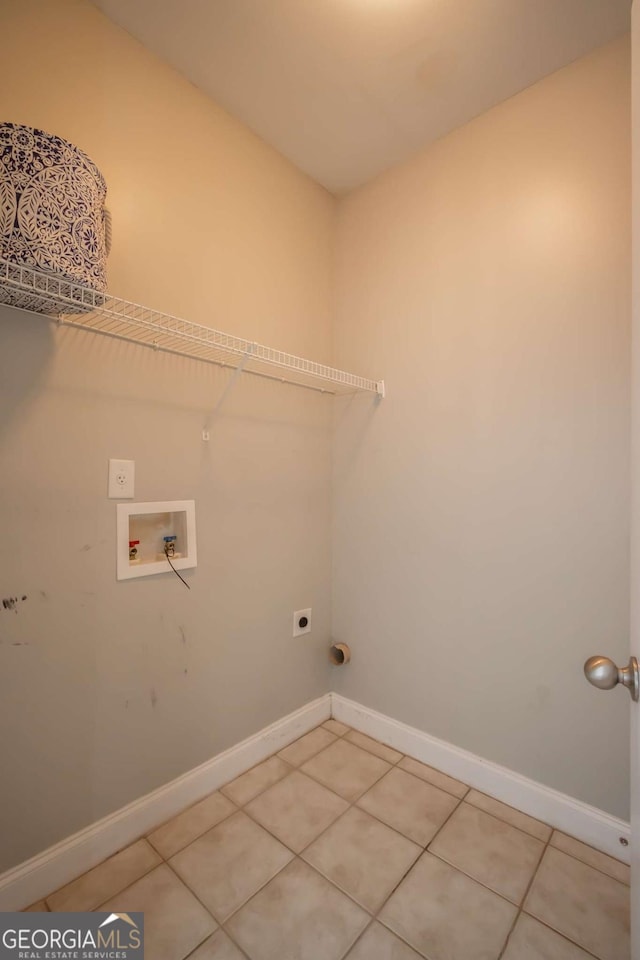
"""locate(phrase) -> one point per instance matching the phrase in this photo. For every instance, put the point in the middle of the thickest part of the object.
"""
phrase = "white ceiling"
(347, 88)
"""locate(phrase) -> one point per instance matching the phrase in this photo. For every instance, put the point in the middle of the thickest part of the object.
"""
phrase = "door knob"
(604, 674)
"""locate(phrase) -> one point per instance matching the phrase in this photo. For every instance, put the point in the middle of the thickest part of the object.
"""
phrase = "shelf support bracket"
(206, 430)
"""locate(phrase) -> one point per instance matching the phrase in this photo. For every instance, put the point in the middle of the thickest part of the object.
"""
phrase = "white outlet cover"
(298, 631)
(122, 475)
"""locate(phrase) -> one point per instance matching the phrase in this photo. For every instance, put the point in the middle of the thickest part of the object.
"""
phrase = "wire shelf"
(25, 288)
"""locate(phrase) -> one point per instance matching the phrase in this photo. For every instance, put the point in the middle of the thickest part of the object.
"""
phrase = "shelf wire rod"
(218, 363)
(101, 313)
(67, 322)
(229, 387)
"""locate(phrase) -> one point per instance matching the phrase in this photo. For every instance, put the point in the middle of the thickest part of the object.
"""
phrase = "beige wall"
(481, 513)
(108, 689)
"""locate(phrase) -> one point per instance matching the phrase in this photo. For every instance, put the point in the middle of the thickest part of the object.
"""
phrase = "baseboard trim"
(560, 811)
(44, 873)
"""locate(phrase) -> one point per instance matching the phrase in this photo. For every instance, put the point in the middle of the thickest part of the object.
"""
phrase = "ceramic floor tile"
(489, 850)
(334, 726)
(584, 904)
(345, 769)
(531, 940)
(296, 810)
(446, 915)
(610, 866)
(190, 824)
(378, 749)
(534, 828)
(363, 857)
(217, 947)
(250, 784)
(298, 916)
(415, 808)
(39, 907)
(105, 880)
(433, 776)
(174, 922)
(306, 747)
(378, 943)
(229, 863)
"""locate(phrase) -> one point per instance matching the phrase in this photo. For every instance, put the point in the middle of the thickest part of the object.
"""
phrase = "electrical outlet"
(121, 479)
(302, 622)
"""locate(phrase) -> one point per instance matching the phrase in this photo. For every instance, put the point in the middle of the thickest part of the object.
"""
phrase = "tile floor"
(340, 847)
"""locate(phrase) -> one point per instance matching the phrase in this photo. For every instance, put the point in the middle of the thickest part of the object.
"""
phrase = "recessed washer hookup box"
(149, 535)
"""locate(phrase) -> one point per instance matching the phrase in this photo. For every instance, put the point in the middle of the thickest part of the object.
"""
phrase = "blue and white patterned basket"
(52, 214)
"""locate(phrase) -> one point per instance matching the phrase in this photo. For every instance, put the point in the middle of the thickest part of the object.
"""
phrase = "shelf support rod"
(236, 373)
